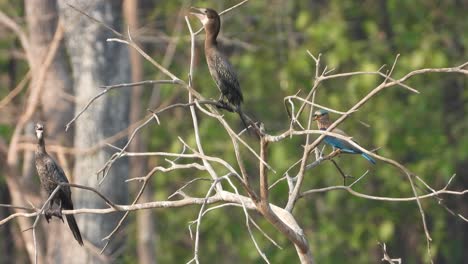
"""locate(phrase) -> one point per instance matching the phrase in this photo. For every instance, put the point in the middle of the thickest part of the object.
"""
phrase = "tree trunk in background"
(41, 18)
(96, 62)
(42, 21)
(454, 105)
(145, 221)
(57, 110)
(454, 123)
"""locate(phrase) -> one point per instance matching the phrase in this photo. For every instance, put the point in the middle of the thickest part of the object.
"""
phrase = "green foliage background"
(426, 132)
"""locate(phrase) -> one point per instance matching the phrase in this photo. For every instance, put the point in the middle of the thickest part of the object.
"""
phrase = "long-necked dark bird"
(323, 122)
(221, 70)
(51, 175)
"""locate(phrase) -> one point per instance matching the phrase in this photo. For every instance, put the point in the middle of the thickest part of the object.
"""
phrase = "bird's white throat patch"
(39, 133)
(204, 20)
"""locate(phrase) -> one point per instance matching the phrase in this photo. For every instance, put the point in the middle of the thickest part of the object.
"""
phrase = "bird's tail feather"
(74, 228)
(241, 115)
(68, 204)
(369, 158)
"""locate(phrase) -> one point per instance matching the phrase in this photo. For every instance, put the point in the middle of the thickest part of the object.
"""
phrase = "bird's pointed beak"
(195, 10)
(314, 117)
(198, 12)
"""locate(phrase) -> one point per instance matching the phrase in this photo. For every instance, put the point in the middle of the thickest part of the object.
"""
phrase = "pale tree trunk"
(41, 18)
(56, 107)
(96, 62)
(145, 221)
(55, 110)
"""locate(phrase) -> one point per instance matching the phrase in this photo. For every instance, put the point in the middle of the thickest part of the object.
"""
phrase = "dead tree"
(231, 183)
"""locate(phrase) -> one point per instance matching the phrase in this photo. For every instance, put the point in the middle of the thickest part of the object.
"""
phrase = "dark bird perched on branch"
(220, 69)
(323, 122)
(51, 175)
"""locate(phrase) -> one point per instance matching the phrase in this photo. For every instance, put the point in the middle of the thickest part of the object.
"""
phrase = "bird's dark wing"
(226, 78)
(57, 175)
(64, 195)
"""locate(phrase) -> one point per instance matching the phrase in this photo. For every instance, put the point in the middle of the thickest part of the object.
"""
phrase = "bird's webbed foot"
(222, 104)
(53, 212)
(58, 213)
(47, 215)
(48, 212)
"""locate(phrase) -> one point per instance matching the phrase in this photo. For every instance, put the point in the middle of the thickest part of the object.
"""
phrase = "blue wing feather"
(369, 158)
(345, 146)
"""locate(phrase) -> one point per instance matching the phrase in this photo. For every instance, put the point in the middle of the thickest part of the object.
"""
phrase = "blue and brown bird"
(323, 123)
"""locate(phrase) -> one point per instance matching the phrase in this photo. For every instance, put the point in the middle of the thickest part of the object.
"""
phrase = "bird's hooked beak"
(200, 13)
(315, 117)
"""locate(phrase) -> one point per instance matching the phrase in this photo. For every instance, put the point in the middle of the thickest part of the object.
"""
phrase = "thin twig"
(7, 99)
(106, 90)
